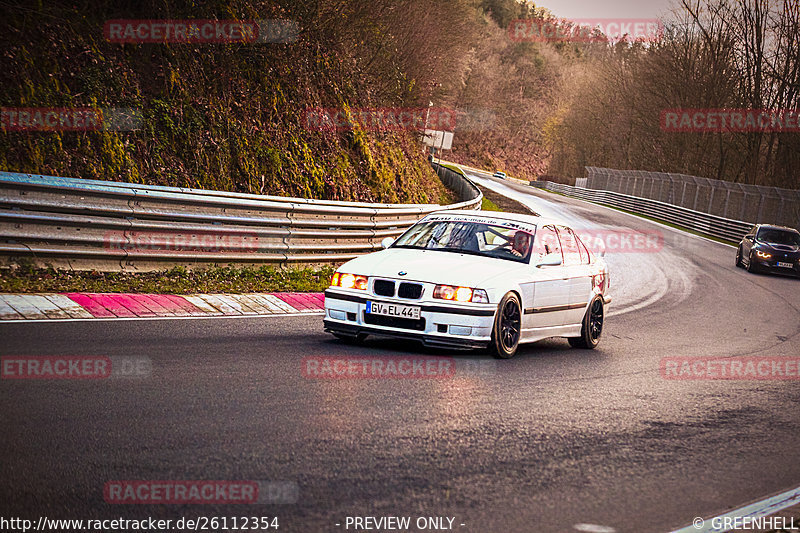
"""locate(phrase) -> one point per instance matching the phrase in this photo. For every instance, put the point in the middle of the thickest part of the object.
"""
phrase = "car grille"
(383, 287)
(412, 291)
(395, 322)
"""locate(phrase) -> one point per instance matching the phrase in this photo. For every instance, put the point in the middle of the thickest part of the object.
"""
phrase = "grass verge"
(178, 280)
(488, 205)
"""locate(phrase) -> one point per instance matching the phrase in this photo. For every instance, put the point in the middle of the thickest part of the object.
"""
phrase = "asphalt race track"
(552, 438)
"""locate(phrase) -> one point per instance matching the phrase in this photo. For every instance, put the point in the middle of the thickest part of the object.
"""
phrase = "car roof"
(773, 226)
(516, 217)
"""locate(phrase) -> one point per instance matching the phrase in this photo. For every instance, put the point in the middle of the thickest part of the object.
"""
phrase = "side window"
(586, 258)
(570, 246)
(546, 243)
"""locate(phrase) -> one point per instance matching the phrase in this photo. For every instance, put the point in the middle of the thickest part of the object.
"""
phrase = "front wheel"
(507, 327)
(739, 257)
(591, 327)
(751, 264)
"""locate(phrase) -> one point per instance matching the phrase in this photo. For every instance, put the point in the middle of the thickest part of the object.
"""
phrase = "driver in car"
(522, 242)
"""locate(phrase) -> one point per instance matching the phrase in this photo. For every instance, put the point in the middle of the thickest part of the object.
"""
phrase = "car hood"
(431, 266)
(779, 248)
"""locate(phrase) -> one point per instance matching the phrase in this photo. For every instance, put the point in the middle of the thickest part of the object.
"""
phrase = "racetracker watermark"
(74, 367)
(380, 119)
(200, 241)
(731, 120)
(622, 240)
(377, 367)
(182, 492)
(730, 368)
(585, 30)
(394, 367)
(198, 31)
(70, 119)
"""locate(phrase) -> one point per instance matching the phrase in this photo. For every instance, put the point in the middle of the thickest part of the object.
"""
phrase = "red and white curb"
(87, 305)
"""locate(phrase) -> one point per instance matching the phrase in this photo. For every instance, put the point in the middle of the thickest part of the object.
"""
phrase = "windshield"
(778, 236)
(469, 238)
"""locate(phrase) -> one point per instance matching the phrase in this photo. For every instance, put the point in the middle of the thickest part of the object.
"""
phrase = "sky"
(616, 9)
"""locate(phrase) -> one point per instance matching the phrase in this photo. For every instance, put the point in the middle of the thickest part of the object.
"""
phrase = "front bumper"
(441, 324)
(771, 266)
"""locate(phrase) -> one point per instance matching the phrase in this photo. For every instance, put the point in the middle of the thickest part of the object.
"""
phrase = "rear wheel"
(591, 327)
(507, 327)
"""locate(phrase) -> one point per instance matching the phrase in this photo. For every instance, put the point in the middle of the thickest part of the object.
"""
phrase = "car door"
(576, 268)
(550, 285)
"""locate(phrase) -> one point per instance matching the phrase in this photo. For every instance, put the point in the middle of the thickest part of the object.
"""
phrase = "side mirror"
(387, 242)
(549, 260)
(749, 238)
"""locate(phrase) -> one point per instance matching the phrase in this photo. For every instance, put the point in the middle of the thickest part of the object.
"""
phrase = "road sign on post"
(441, 140)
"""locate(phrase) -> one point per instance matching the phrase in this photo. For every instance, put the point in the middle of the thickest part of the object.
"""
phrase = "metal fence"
(723, 228)
(751, 203)
(110, 226)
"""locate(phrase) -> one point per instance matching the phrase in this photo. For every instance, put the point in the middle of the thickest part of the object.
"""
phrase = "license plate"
(402, 311)
(785, 265)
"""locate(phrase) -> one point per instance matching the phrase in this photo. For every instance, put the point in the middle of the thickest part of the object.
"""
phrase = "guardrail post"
(683, 193)
(745, 194)
(727, 201)
(710, 200)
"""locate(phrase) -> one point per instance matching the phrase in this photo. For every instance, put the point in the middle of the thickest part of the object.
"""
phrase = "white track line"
(755, 510)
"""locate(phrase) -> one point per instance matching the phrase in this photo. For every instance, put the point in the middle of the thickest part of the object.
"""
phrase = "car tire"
(751, 265)
(591, 327)
(507, 327)
(351, 339)
(739, 258)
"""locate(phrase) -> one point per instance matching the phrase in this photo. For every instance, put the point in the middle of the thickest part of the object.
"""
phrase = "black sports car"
(768, 248)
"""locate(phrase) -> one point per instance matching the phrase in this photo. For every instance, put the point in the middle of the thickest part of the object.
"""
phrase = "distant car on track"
(499, 174)
(466, 279)
(768, 248)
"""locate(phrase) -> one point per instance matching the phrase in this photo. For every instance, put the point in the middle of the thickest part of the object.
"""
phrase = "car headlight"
(460, 294)
(349, 281)
(763, 255)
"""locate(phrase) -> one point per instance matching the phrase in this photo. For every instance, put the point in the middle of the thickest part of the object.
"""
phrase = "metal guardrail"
(706, 223)
(111, 226)
(715, 226)
(739, 201)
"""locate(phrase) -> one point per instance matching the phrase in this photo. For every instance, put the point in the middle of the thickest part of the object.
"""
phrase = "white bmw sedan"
(468, 279)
